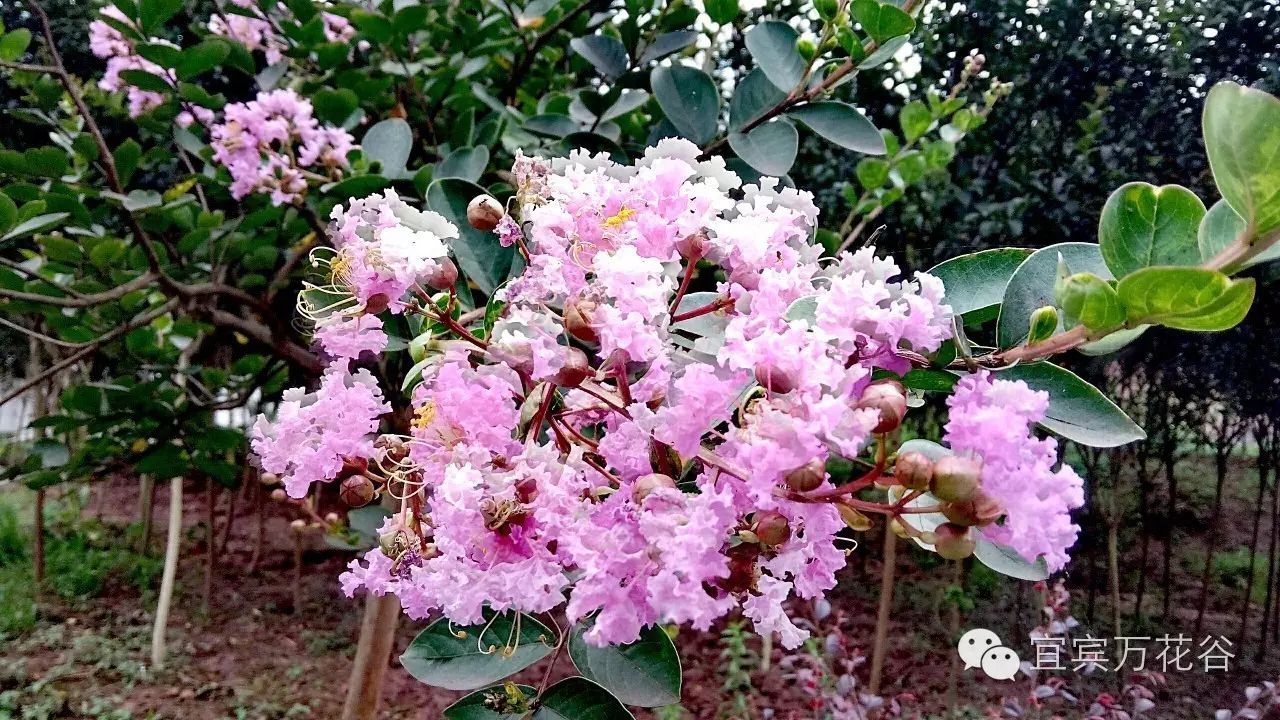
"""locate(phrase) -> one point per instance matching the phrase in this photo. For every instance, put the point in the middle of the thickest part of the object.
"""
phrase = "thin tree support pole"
(377, 635)
(147, 500)
(886, 604)
(172, 543)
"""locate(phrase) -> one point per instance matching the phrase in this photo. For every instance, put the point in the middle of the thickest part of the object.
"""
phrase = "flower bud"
(1044, 323)
(955, 478)
(890, 399)
(353, 466)
(526, 490)
(771, 527)
(693, 247)
(914, 470)
(298, 525)
(357, 491)
(443, 276)
(980, 510)
(808, 476)
(854, 519)
(577, 320)
(484, 212)
(773, 379)
(953, 542)
(806, 47)
(269, 479)
(576, 368)
(645, 485)
(279, 495)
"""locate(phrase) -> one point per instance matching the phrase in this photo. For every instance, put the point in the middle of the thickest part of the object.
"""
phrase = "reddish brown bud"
(353, 466)
(279, 495)
(484, 212)
(576, 368)
(577, 320)
(953, 542)
(980, 510)
(693, 247)
(645, 485)
(808, 476)
(377, 303)
(890, 399)
(774, 380)
(955, 478)
(269, 479)
(526, 490)
(771, 527)
(357, 491)
(443, 276)
(913, 470)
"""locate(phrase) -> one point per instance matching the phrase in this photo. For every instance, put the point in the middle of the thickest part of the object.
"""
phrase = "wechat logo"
(981, 648)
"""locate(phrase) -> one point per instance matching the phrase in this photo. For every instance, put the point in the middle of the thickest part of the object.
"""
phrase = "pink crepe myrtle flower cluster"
(257, 32)
(991, 419)
(272, 143)
(112, 45)
(539, 468)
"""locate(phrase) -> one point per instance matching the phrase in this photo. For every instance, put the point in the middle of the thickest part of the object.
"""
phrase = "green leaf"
(480, 704)
(872, 173)
(8, 213)
(152, 14)
(977, 281)
(1007, 561)
(480, 256)
(882, 21)
(335, 106)
(1221, 227)
(722, 12)
(883, 54)
(914, 118)
(51, 453)
(1077, 410)
(645, 673)
(440, 658)
(163, 461)
(202, 57)
(1088, 300)
(144, 80)
(35, 225)
(359, 186)
(14, 44)
(1031, 286)
(690, 100)
(668, 43)
(773, 45)
(605, 52)
(577, 698)
(752, 98)
(465, 163)
(389, 142)
(769, 148)
(126, 156)
(1185, 298)
(1144, 225)
(841, 124)
(1242, 138)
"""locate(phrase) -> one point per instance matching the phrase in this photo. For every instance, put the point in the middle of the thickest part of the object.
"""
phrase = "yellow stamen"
(424, 415)
(616, 221)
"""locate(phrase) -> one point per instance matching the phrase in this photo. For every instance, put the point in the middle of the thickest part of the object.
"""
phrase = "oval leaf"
(977, 281)
(1144, 225)
(1006, 561)
(480, 704)
(882, 21)
(752, 98)
(841, 124)
(1077, 410)
(645, 673)
(1241, 134)
(465, 163)
(389, 143)
(578, 698)
(442, 659)
(770, 148)
(1220, 227)
(1031, 286)
(690, 100)
(1185, 298)
(605, 52)
(773, 45)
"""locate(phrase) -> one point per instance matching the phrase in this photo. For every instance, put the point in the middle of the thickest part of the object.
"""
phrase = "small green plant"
(737, 661)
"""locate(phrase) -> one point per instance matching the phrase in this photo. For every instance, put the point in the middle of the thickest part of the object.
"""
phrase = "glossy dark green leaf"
(480, 256)
(841, 124)
(752, 98)
(645, 673)
(1077, 410)
(915, 119)
(152, 14)
(144, 80)
(977, 281)
(1185, 298)
(770, 148)
(605, 52)
(773, 45)
(481, 704)
(722, 12)
(668, 43)
(690, 100)
(578, 698)
(335, 106)
(1144, 225)
(471, 657)
(1031, 286)
(8, 213)
(1220, 227)
(14, 43)
(202, 57)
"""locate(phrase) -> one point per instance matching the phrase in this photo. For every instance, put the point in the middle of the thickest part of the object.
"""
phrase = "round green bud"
(807, 48)
(913, 470)
(953, 542)
(955, 478)
(1044, 323)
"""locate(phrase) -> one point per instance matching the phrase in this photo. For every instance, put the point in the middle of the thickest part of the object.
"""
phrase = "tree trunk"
(260, 518)
(1171, 481)
(886, 604)
(158, 648)
(146, 501)
(297, 571)
(1271, 566)
(1246, 602)
(37, 552)
(1211, 540)
(377, 636)
(1144, 492)
(1113, 566)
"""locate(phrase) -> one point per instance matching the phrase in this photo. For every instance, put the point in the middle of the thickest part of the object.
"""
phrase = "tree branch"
(80, 300)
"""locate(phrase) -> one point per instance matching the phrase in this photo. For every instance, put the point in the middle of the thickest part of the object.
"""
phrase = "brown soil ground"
(254, 655)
